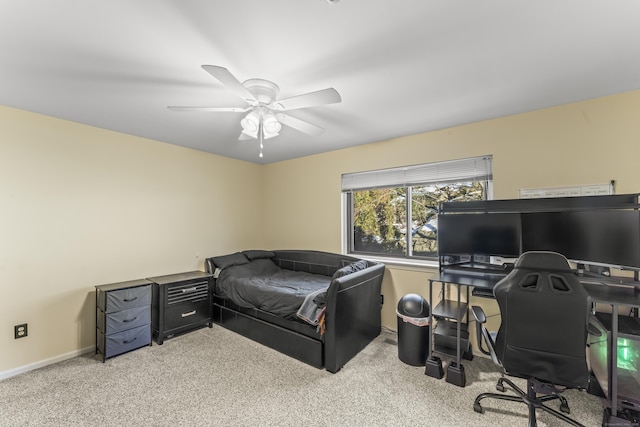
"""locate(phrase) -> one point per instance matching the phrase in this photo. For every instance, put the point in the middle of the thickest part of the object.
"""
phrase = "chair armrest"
(481, 319)
(592, 327)
(478, 314)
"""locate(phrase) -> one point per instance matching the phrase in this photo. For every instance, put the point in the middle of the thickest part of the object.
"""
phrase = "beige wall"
(591, 142)
(81, 206)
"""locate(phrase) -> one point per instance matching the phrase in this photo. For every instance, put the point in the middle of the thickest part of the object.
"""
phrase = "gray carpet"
(216, 377)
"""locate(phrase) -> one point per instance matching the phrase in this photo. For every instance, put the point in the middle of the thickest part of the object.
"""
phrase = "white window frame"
(460, 170)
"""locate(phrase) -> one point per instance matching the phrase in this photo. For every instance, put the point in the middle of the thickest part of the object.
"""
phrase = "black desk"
(476, 280)
(608, 291)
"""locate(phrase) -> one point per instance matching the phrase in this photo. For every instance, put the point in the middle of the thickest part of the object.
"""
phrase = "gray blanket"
(313, 307)
(262, 284)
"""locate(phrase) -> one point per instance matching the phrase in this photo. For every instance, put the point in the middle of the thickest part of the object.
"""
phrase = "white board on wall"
(574, 191)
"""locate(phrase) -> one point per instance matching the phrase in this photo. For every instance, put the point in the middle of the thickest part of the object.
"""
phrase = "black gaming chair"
(543, 333)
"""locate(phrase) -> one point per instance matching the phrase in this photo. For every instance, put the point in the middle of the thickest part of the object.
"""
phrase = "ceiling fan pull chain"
(261, 135)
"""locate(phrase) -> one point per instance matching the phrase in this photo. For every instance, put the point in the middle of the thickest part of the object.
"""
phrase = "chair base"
(529, 398)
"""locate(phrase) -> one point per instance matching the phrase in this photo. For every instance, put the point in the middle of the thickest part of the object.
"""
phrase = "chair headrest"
(542, 260)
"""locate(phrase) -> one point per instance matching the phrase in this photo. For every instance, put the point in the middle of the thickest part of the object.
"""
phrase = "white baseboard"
(42, 363)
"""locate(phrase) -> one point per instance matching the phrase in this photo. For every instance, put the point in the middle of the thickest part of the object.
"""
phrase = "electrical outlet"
(20, 331)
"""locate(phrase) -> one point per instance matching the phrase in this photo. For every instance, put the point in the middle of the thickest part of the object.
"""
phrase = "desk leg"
(458, 329)
(613, 365)
(455, 370)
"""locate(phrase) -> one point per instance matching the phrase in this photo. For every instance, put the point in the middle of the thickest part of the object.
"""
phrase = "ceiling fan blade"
(210, 109)
(311, 99)
(299, 125)
(229, 80)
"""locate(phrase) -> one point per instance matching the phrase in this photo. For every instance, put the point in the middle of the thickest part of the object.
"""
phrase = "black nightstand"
(181, 303)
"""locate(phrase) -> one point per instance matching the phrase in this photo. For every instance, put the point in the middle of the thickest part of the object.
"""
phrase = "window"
(393, 212)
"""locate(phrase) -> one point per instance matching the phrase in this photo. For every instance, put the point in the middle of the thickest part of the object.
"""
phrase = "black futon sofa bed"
(325, 309)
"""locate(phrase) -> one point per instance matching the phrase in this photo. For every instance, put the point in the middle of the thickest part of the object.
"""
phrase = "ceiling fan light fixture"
(270, 124)
(250, 123)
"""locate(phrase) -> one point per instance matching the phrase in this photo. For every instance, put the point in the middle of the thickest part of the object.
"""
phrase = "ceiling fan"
(265, 111)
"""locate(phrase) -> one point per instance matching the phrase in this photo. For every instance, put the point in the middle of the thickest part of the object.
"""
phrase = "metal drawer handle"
(130, 299)
(129, 320)
(189, 290)
(190, 313)
(130, 341)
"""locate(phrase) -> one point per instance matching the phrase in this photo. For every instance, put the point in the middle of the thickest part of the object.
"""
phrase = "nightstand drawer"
(124, 299)
(123, 320)
(181, 315)
(187, 292)
(112, 345)
(181, 302)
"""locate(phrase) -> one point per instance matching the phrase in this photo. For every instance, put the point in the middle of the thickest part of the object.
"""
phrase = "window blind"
(470, 169)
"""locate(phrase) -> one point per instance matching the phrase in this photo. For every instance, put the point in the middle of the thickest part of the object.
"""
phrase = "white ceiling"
(401, 66)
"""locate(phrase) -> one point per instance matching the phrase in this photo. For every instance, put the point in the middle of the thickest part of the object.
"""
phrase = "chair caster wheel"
(564, 407)
(478, 408)
(501, 387)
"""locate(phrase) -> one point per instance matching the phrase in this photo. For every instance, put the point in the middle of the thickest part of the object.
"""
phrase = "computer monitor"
(600, 237)
(479, 234)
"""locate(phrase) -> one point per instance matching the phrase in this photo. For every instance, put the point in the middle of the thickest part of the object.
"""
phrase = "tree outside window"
(380, 224)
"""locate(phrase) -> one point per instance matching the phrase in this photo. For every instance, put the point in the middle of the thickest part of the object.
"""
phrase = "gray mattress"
(262, 284)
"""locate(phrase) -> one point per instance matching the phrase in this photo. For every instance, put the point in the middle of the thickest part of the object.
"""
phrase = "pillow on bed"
(258, 254)
(351, 268)
(359, 265)
(230, 260)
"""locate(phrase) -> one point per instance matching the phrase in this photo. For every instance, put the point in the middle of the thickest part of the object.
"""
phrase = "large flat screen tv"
(479, 234)
(599, 237)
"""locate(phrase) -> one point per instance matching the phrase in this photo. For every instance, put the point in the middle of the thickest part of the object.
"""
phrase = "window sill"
(409, 264)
